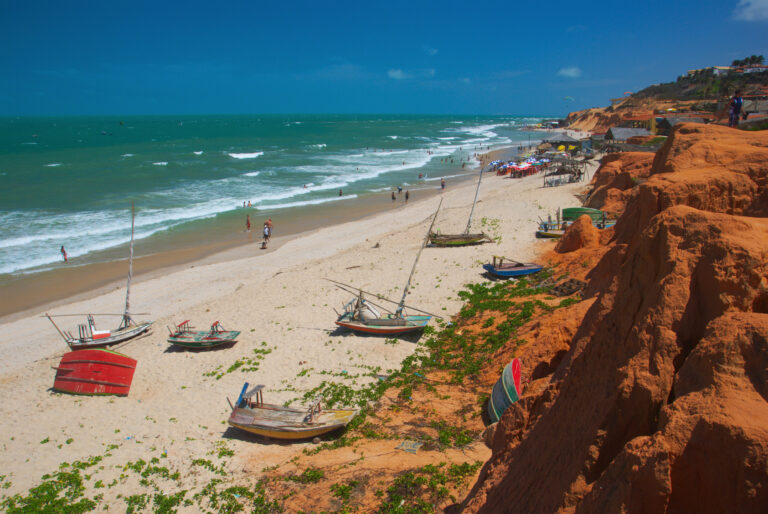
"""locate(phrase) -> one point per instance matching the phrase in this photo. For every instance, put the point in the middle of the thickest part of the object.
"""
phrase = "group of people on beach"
(267, 231)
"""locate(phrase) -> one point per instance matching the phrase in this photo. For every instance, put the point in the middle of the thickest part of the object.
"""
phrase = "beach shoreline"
(285, 311)
(26, 293)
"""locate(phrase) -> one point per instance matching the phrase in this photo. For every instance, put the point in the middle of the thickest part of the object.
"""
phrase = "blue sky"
(94, 58)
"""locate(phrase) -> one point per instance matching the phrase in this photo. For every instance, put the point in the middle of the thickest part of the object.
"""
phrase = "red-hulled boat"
(95, 371)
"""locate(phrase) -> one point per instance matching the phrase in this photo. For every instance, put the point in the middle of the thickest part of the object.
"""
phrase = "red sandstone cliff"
(654, 397)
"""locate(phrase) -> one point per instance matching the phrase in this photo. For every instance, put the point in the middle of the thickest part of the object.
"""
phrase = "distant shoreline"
(25, 293)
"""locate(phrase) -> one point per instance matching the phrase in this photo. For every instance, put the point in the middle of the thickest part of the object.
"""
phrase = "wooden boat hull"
(280, 422)
(95, 372)
(506, 271)
(506, 391)
(118, 336)
(412, 324)
(458, 239)
(203, 340)
(550, 234)
(573, 213)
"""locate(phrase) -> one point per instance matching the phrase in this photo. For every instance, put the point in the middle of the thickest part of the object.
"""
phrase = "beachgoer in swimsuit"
(407, 195)
(64, 253)
(248, 222)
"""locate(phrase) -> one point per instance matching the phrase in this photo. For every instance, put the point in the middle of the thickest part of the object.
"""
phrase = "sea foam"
(251, 155)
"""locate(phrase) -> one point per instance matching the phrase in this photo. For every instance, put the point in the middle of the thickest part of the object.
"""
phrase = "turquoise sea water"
(70, 181)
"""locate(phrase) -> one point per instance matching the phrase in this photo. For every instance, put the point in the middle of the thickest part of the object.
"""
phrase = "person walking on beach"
(268, 224)
(248, 222)
(393, 196)
(442, 183)
(407, 195)
(64, 253)
(735, 109)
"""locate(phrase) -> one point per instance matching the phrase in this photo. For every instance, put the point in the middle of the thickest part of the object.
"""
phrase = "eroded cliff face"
(659, 400)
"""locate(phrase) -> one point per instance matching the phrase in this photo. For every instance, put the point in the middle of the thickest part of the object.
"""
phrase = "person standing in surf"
(248, 222)
(64, 253)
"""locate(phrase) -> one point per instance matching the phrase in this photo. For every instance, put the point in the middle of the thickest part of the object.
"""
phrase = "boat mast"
(127, 315)
(399, 311)
(469, 222)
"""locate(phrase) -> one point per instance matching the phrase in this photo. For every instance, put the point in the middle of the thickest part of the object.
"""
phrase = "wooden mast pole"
(399, 311)
(127, 314)
(469, 222)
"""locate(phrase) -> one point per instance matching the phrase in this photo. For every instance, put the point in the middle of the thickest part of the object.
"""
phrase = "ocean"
(71, 181)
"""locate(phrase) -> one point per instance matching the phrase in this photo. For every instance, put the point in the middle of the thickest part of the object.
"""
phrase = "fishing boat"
(95, 371)
(184, 336)
(573, 213)
(362, 315)
(598, 217)
(465, 238)
(550, 231)
(88, 336)
(505, 267)
(251, 414)
(506, 390)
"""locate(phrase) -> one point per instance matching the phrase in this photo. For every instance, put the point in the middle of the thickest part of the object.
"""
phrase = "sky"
(399, 57)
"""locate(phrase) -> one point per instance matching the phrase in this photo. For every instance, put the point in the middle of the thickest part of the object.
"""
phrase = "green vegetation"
(244, 364)
(419, 490)
(62, 491)
(704, 85)
(747, 61)
(309, 476)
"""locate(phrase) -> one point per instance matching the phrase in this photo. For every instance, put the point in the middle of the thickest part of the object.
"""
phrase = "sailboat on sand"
(362, 315)
(87, 334)
(465, 238)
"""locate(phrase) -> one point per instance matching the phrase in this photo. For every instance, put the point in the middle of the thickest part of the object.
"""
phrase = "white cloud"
(429, 50)
(751, 10)
(429, 72)
(570, 72)
(397, 74)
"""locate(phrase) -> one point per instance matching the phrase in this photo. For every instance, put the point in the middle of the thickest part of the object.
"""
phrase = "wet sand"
(225, 240)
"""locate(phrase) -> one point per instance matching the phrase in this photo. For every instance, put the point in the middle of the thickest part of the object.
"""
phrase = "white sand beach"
(281, 303)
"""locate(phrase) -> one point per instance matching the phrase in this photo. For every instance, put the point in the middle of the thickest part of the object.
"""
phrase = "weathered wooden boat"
(184, 336)
(551, 230)
(465, 238)
(459, 239)
(95, 371)
(361, 315)
(506, 391)
(574, 213)
(505, 268)
(599, 218)
(278, 422)
(90, 337)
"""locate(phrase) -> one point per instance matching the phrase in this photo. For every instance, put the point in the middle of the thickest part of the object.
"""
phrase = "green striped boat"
(506, 391)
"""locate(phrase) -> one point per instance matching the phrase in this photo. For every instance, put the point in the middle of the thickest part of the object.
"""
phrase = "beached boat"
(95, 372)
(465, 238)
(551, 233)
(506, 390)
(573, 213)
(598, 217)
(278, 422)
(87, 334)
(361, 314)
(184, 336)
(505, 268)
